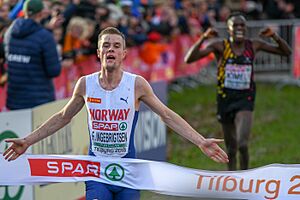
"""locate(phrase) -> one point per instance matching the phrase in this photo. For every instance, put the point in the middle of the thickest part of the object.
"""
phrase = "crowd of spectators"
(75, 24)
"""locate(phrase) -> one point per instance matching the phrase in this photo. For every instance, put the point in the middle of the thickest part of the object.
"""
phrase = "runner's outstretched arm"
(53, 124)
(178, 124)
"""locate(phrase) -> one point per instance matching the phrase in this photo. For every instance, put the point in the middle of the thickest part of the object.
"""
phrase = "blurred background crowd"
(158, 32)
(76, 23)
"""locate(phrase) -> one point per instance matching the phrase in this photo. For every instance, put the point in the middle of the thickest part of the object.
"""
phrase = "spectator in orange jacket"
(77, 44)
(152, 49)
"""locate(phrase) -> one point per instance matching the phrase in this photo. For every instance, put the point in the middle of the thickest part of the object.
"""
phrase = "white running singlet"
(111, 116)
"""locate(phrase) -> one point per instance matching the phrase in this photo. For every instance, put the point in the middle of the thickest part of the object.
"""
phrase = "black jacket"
(32, 61)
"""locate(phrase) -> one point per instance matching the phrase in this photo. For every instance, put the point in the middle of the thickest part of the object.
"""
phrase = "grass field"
(275, 134)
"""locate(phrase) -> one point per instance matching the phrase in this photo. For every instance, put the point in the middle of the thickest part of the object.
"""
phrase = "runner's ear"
(124, 54)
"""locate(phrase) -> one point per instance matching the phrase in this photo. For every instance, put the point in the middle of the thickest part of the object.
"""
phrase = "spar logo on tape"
(64, 168)
(114, 172)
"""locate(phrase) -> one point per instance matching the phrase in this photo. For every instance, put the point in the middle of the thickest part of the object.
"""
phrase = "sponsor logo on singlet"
(124, 99)
(93, 100)
(109, 134)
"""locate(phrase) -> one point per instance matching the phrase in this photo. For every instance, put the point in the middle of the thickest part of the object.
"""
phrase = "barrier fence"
(266, 62)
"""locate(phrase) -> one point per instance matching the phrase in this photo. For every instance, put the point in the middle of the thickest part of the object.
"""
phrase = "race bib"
(110, 144)
(237, 76)
(110, 138)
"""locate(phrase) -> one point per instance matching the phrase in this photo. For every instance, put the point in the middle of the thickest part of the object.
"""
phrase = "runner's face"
(111, 51)
(237, 28)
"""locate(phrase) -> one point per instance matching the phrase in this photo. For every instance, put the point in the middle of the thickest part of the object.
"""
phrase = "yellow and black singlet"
(236, 87)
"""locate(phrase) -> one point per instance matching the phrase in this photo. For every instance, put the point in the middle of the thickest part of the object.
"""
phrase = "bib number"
(237, 76)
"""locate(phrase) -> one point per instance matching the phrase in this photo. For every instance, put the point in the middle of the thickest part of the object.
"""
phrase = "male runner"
(236, 87)
(113, 96)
